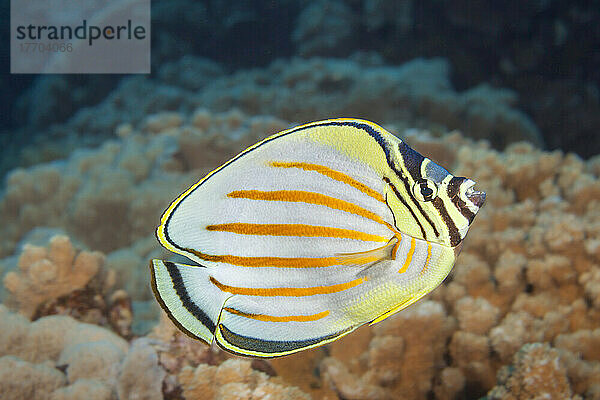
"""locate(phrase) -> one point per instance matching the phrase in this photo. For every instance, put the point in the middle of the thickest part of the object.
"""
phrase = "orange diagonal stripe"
(427, 259)
(284, 262)
(286, 291)
(295, 230)
(333, 174)
(273, 318)
(307, 197)
(395, 249)
(409, 256)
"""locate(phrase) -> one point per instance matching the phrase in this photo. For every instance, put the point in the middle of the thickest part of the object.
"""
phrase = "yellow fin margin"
(399, 307)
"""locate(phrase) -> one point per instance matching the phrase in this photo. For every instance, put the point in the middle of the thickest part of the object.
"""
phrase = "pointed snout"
(477, 198)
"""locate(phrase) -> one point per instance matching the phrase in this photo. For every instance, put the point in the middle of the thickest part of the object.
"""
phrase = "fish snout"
(476, 197)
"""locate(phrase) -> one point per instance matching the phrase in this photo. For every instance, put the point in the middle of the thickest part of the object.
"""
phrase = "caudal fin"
(188, 297)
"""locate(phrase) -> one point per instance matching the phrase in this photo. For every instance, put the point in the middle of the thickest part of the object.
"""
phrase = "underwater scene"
(328, 200)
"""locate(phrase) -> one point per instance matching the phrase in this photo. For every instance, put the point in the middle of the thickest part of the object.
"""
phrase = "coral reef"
(324, 28)
(56, 353)
(418, 93)
(57, 357)
(527, 275)
(43, 380)
(233, 379)
(58, 279)
(542, 50)
(120, 188)
(141, 376)
(46, 274)
(537, 373)
(518, 317)
(102, 156)
(401, 358)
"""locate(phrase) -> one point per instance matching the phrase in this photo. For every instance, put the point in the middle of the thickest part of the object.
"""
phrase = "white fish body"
(307, 235)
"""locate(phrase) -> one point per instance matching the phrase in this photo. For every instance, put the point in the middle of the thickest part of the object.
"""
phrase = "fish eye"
(425, 190)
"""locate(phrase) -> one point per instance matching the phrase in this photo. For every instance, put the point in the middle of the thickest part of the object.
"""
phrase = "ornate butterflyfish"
(308, 235)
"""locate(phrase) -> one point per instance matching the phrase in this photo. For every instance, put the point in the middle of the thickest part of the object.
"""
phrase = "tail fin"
(188, 297)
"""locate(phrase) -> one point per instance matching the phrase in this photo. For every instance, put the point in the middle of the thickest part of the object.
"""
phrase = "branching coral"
(22, 380)
(537, 373)
(141, 375)
(57, 357)
(38, 359)
(525, 267)
(115, 192)
(58, 279)
(528, 272)
(417, 93)
(233, 379)
(348, 385)
(402, 358)
(48, 273)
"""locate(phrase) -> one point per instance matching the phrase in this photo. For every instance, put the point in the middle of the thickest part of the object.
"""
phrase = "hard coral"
(233, 379)
(48, 273)
(537, 373)
(59, 279)
(88, 389)
(521, 278)
(120, 187)
(57, 357)
(23, 380)
(451, 383)
(402, 359)
(141, 375)
(528, 272)
(98, 360)
(471, 353)
(178, 351)
(348, 385)
(476, 315)
(583, 343)
(417, 93)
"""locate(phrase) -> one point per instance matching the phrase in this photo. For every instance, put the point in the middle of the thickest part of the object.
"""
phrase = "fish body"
(308, 235)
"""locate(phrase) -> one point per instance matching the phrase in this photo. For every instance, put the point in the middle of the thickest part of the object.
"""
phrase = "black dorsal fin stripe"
(412, 161)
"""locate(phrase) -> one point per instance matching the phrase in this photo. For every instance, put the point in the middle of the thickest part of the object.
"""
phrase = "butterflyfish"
(308, 235)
